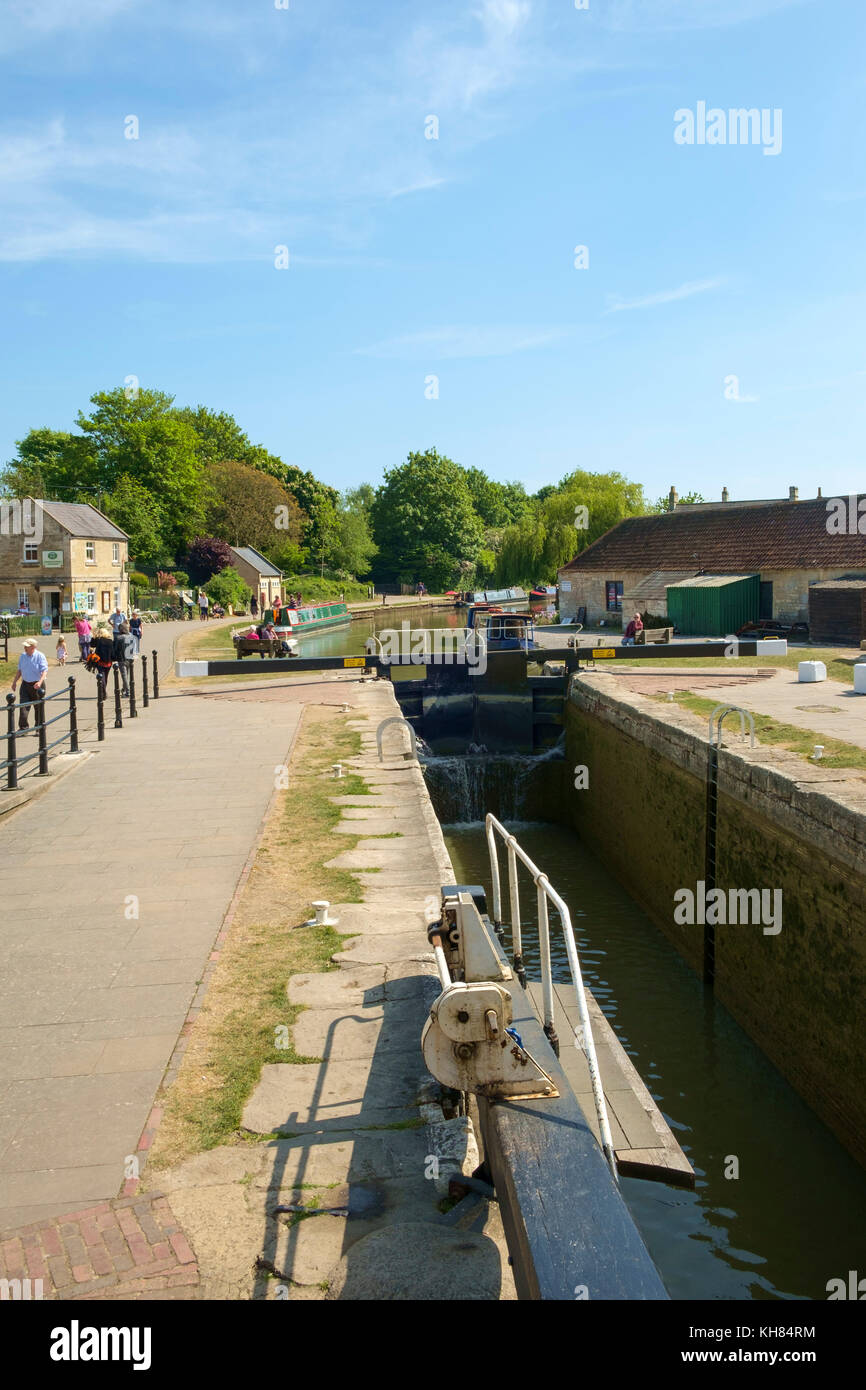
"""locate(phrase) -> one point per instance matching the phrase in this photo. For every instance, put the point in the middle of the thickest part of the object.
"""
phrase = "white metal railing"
(545, 892)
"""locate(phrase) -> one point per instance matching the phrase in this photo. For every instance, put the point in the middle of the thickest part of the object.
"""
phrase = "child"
(61, 651)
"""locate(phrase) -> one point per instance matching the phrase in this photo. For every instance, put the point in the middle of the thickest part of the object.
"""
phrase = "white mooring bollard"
(337, 770)
(812, 671)
(860, 678)
(322, 917)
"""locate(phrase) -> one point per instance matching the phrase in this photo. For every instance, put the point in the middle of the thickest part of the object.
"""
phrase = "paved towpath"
(93, 997)
(828, 707)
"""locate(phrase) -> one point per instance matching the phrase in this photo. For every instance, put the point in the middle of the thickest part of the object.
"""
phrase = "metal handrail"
(723, 711)
(380, 735)
(545, 892)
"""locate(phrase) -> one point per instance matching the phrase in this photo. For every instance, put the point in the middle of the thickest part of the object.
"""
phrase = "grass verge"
(771, 731)
(246, 1020)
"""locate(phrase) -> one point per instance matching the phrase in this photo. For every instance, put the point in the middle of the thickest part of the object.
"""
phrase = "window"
(116, 596)
(23, 601)
(91, 600)
(614, 595)
(90, 552)
(31, 553)
(115, 553)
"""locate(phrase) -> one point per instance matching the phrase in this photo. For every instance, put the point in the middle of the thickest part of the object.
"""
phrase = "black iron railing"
(21, 762)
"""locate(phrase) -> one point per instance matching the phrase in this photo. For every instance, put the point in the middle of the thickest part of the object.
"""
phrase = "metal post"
(12, 765)
(100, 707)
(155, 677)
(546, 972)
(39, 718)
(73, 716)
(118, 708)
(144, 691)
(133, 712)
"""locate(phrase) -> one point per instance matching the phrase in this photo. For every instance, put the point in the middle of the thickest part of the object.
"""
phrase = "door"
(765, 602)
(51, 606)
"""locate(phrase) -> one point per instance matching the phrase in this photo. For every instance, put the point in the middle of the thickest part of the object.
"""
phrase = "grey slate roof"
(258, 562)
(80, 519)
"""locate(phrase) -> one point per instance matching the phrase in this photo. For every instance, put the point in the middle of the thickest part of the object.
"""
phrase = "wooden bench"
(250, 646)
(653, 634)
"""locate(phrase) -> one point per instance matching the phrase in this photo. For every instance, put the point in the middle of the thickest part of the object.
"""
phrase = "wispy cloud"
(647, 16)
(650, 301)
(468, 340)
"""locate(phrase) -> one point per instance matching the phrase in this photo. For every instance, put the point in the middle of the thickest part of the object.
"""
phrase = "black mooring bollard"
(11, 755)
(100, 707)
(155, 677)
(73, 716)
(118, 708)
(39, 719)
(144, 691)
(133, 712)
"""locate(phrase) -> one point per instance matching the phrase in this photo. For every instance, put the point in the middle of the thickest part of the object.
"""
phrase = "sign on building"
(52, 559)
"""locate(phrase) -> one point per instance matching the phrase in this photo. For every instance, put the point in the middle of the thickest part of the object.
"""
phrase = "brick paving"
(129, 1248)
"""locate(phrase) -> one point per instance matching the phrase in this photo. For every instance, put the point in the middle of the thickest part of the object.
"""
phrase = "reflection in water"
(795, 1216)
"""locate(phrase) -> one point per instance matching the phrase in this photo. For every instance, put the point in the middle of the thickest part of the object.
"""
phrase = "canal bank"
(780, 825)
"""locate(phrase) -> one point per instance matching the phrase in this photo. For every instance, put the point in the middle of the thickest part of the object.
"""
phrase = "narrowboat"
(502, 598)
(503, 631)
(297, 622)
(543, 591)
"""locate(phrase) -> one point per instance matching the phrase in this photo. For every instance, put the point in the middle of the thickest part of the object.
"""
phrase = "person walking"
(116, 618)
(82, 627)
(135, 627)
(123, 653)
(103, 648)
(203, 602)
(254, 606)
(32, 670)
(62, 653)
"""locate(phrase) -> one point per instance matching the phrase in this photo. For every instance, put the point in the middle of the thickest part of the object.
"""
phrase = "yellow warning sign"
(354, 661)
(604, 651)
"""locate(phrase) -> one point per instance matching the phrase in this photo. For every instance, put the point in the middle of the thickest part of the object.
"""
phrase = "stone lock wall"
(799, 994)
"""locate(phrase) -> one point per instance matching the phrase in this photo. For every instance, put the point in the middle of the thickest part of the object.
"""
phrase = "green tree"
(497, 504)
(136, 511)
(228, 587)
(424, 523)
(248, 507)
(354, 547)
(320, 503)
(54, 464)
(565, 519)
(140, 437)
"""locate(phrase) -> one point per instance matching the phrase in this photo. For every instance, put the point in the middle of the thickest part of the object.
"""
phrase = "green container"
(714, 605)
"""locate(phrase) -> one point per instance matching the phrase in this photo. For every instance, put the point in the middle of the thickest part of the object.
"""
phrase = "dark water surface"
(796, 1215)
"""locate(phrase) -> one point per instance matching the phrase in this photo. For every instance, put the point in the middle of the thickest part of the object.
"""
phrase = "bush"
(208, 556)
(139, 580)
(227, 587)
(181, 579)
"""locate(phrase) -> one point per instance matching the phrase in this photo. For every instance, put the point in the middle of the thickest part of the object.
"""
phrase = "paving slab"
(344, 1094)
(366, 1032)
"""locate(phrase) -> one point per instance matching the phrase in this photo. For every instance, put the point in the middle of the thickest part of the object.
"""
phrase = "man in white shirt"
(32, 669)
(116, 618)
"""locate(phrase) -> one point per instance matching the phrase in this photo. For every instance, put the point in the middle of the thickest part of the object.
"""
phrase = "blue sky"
(411, 257)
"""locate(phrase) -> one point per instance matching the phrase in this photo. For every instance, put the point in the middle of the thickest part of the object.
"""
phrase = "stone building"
(791, 544)
(264, 579)
(61, 557)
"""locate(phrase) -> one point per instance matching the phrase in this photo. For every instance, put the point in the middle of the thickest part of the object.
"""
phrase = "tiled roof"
(80, 519)
(773, 535)
(257, 561)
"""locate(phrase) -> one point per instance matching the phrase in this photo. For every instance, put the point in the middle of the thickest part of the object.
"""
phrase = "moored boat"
(297, 622)
(503, 598)
(502, 631)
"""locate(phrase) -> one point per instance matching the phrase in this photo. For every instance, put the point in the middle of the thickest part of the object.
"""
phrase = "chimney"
(819, 492)
(793, 494)
(725, 495)
(672, 499)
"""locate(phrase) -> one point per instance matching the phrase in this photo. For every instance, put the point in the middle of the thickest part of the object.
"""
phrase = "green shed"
(714, 605)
